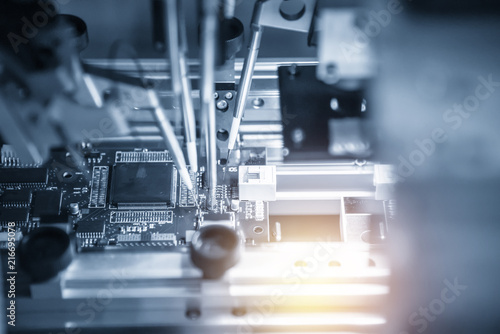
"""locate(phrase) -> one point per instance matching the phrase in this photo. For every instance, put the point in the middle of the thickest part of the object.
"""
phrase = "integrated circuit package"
(143, 185)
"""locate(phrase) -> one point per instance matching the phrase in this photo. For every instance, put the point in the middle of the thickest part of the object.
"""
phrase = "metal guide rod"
(209, 27)
(177, 46)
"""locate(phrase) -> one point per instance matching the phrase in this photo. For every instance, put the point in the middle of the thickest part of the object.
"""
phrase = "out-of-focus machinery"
(338, 175)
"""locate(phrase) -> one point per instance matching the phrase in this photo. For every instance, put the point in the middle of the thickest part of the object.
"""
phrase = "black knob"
(45, 252)
(215, 249)
(292, 10)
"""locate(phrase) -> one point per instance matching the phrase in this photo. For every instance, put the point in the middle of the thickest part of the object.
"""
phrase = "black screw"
(193, 313)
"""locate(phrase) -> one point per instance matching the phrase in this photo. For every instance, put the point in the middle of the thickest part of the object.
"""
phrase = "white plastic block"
(257, 183)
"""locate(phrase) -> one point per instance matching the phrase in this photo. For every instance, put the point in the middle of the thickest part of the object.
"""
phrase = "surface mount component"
(143, 184)
(24, 176)
(143, 156)
(90, 228)
(100, 175)
(18, 215)
(134, 217)
(47, 205)
(15, 198)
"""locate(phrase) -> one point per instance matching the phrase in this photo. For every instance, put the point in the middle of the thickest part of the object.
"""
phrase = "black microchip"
(14, 215)
(142, 183)
(23, 175)
(47, 203)
(90, 226)
(16, 197)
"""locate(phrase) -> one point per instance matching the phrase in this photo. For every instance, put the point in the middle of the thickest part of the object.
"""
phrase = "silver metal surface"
(270, 16)
(260, 127)
(277, 232)
(229, 8)
(282, 295)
